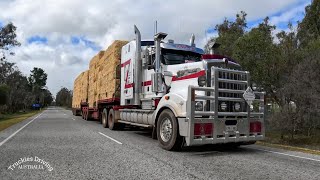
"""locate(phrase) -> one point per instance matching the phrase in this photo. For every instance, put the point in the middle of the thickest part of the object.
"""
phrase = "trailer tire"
(104, 118)
(111, 123)
(168, 131)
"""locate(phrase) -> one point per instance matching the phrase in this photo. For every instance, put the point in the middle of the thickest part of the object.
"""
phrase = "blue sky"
(282, 17)
(37, 39)
(75, 40)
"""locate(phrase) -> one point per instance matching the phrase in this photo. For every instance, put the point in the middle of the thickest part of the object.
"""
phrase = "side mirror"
(167, 76)
(145, 57)
(151, 59)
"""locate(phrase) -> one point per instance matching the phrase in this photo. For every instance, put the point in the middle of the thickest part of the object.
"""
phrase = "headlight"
(202, 81)
(223, 106)
(251, 108)
(237, 106)
(199, 106)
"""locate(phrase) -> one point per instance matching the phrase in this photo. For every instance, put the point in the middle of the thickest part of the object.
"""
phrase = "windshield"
(170, 57)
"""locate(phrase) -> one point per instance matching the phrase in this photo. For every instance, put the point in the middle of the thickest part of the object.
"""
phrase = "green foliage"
(37, 78)
(257, 53)
(309, 28)
(229, 32)
(47, 97)
(6, 68)
(18, 92)
(37, 81)
(8, 38)
(4, 91)
(286, 67)
(64, 97)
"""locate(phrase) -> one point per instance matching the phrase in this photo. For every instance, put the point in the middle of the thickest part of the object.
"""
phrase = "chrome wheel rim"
(166, 130)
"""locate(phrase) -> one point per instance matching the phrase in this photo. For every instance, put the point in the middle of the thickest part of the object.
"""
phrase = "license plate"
(231, 128)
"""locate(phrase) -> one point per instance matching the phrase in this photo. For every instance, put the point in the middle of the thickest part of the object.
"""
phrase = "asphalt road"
(57, 145)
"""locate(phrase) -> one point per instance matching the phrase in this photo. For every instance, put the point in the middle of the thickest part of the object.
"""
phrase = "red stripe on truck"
(174, 78)
(190, 76)
(126, 63)
(126, 86)
(146, 83)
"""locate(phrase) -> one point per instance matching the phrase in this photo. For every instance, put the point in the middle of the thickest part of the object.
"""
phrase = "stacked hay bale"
(92, 90)
(109, 85)
(100, 82)
(76, 91)
(80, 89)
(84, 86)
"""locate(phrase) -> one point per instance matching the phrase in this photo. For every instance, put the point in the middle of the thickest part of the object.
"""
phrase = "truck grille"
(229, 80)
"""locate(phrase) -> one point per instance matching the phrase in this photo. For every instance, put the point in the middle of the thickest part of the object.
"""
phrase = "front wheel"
(168, 131)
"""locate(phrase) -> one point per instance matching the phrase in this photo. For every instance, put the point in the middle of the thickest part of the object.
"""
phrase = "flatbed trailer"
(77, 111)
(95, 112)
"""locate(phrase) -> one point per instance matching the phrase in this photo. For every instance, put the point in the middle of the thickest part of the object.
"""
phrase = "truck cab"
(186, 96)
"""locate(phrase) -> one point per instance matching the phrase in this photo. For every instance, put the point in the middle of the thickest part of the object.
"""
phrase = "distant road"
(73, 148)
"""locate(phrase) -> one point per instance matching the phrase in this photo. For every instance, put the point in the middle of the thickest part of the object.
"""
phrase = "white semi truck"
(187, 97)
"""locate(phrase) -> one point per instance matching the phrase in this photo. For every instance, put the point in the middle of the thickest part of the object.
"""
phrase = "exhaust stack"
(137, 68)
(192, 41)
(213, 46)
(156, 77)
(157, 39)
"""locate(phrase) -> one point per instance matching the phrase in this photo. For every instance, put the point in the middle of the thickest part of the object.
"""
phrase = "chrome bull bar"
(213, 114)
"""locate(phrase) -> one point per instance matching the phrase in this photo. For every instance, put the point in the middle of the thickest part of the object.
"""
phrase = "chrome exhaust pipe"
(137, 68)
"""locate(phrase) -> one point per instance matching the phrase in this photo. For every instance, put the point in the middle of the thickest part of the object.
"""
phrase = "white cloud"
(104, 21)
(291, 15)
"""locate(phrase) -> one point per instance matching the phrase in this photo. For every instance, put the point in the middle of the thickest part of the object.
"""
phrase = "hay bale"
(99, 81)
(80, 89)
(84, 86)
(108, 84)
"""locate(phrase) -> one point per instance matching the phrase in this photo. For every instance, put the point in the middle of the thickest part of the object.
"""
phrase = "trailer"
(185, 96)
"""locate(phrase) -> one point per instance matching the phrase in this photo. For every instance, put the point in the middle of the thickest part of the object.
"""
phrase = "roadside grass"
(302, 143)
(7, 120)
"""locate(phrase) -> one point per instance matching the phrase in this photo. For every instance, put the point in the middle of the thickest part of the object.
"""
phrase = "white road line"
(275, 152)
(4, 141)
(110, 138)
(73, 119)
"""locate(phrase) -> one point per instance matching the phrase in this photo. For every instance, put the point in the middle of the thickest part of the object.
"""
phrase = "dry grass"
(291, 148)
(11, 119)
(302, 143)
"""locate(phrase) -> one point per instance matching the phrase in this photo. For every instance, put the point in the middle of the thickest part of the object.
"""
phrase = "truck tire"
(104, 118)
(111, 123)
(168, 131)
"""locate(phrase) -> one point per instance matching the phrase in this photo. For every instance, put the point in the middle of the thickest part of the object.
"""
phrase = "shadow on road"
(205, 150)
(217, 149)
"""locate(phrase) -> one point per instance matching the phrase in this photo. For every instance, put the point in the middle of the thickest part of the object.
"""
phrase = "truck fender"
(174, 102)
